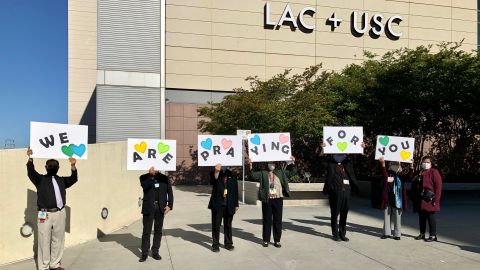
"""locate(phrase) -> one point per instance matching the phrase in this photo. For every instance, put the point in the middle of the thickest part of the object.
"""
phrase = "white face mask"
(271, 166)
(426, 166)
(394, 168)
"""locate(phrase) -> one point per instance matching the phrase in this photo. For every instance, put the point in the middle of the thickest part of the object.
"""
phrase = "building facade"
(142, 68)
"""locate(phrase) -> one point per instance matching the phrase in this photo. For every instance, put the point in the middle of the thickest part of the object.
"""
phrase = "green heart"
(163, 148)
(342, 146)
(67, 150)
(384, 140)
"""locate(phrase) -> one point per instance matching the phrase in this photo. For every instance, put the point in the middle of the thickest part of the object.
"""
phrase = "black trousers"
(339, 204)
(272, 212)
(217, 216)
(425, 216)
(148, 221)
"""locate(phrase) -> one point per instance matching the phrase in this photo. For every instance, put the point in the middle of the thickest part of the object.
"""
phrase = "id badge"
(346, 182)
(273, 191)
(42, 216)
(390, 179)
(225, 192)
(157, 185)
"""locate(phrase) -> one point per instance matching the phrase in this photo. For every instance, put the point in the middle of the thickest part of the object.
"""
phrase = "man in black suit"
(157, 202)
(223, 204)
(340, 181)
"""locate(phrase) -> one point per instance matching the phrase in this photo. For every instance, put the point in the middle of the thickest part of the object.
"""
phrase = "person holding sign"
(157, 202)
(51, 210)
(340, 181)
(394, 197)
(223, 204)
(273, 187)
(426, 193)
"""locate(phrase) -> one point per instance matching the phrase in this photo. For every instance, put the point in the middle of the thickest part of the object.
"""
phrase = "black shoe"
(344, 238)
(156, 256)
(230, 247)
(265, 244)
(336, 238)
(396, 237)
(215, 249)
(143, 258)
(277, 245)
(384, 236)
(431, 239)
(420, 237)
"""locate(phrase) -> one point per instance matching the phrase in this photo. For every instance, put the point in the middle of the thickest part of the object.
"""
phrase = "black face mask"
(51, 170)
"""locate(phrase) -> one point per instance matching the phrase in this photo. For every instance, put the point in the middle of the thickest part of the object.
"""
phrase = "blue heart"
(79, 150)
(207, 144)
(255, 140)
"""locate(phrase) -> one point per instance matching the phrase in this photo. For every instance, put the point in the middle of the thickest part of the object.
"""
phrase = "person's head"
(52, 166)
(271, 166)
(394, 166)
(339, 158)
(426, 163)
(223, 168)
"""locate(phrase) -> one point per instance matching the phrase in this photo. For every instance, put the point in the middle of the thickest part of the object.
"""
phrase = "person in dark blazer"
(340, 182)
(273, 188)
(223, 205)
(157, 202)
(426, 192)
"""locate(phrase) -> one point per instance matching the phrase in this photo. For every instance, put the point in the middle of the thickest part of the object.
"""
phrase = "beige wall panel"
(276, 9)
(240, 44)
(237, 71)
(384, 43)
(191, 54)
(349, 4)
(464, 14)
(430, 22)
(383, 6)
(430, 34)
(188, 13)
(464, 26)
(336, 51)
(82, 63)
(233, 57)
(414, 43)
(377, 51)
(277, 60)
(245, 5)
(335, 63)
(190, 3)
(82, 20)
(187, 81)
(334, 38)
(470, 4)
(236, 30)
(188, 40)
(228, 84)
(430, 10)
(186, 26)
(285, 34)
(188, 67)
(82, 5)
(237, 17)
(469, 38)
(430, 2)
(290, 48)
(272, 71)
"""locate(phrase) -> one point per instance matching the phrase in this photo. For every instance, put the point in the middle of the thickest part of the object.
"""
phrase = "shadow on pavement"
(127, 240)
(286, 225)
(236, 233)
(190, 236)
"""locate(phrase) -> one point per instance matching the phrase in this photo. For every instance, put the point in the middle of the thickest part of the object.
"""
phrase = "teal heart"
(255, 140)
(207, 144)
(67, 150)
(78, 150)
(384, 140)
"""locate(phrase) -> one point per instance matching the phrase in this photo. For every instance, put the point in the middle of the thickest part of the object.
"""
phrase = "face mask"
(426, 166)
(51, 170)
(271, 167)
(289, 162)
(394, 168)
(339, 157)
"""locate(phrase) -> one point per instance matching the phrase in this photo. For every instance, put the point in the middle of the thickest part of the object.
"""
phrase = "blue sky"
(33, 66)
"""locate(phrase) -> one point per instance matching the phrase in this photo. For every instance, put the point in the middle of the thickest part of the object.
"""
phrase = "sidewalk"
(306, 240)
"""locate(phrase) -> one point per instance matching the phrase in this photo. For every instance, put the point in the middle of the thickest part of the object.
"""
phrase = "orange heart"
(405, 155)
(141, 147)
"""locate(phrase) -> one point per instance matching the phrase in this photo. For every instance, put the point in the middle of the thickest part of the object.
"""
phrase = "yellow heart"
(405, 155)
(141, 147)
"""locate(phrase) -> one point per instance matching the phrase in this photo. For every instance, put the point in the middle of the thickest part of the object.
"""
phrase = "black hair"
(52, 160)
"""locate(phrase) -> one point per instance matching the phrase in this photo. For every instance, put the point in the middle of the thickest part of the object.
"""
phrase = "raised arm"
(33, 175)
(146, 180)
(73, 178)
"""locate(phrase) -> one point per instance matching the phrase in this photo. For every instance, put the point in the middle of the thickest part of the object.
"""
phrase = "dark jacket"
(262, 177)
(431, 180)
(45, 192)
(331, 184)
(404, 178)
(165, 192)
(218, 187)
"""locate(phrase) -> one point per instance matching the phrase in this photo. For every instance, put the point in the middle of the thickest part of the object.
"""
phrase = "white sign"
(219, 149)
(393, 148)
(142, 154)
(343, 140)
(269, 147)
(60, 141)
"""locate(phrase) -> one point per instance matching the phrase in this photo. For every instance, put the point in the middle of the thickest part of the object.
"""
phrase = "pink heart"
(226, 143)
(284, 138)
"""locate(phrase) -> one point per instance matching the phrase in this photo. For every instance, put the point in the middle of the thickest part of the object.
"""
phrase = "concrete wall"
(103, 182)
(215, 44)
